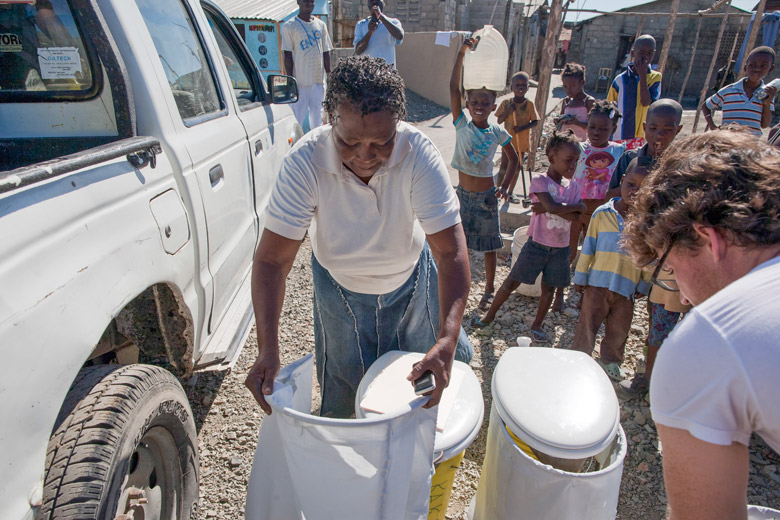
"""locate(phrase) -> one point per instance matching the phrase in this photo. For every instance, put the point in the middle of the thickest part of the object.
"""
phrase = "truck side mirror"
(283, 89)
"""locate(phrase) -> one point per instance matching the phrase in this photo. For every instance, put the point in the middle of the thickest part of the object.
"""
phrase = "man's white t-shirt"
(307, 41)
(717, 375)
(382, 44)
(368, 236)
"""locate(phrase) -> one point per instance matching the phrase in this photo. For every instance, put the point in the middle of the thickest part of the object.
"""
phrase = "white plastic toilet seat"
(558, 401)
(466, 415)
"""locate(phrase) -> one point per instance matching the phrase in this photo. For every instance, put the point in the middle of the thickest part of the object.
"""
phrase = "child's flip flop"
(479, 326)
(539, 336)
(485, 302)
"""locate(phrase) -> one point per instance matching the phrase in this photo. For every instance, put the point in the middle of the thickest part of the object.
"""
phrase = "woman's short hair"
(726, 179)
(367, 83)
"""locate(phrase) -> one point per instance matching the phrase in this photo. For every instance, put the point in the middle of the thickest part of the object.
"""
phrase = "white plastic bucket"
(461, 402)
(317, 468)
(486, 66)
(562, 408)
(762, 513)
(519, 239)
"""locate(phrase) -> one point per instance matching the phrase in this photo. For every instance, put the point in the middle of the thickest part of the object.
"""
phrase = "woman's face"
(364, 142)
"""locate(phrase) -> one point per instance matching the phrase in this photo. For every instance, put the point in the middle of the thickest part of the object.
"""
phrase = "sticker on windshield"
(59, 62)
(10, 42)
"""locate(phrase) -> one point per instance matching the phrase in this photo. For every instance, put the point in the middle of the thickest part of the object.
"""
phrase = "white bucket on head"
(519, 239)
(563, 411)
(486, 66)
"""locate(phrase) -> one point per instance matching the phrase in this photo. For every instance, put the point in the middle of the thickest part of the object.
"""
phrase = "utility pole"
(668, 38)
(545, 71)
(705, 88)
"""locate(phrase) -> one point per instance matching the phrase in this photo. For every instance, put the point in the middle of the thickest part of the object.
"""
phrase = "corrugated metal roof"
(277, 10)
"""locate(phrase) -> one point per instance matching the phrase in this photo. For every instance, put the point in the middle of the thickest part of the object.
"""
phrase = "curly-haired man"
(374, 193)
(711, 214)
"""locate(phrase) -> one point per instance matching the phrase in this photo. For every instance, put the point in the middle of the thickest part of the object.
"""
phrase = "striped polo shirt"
(737, 108)
(625, 91)
(603, 263)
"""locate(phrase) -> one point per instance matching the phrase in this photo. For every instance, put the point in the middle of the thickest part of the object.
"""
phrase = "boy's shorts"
(479, 217)
(534, 258)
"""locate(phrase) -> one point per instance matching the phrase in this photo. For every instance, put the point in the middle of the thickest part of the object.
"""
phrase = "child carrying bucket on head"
(476, 143)
(608, 278)
(518, 114)
(577, 103)
(547, 249)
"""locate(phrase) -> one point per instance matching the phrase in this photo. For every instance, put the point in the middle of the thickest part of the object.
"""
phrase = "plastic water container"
(486, 66)
(554, 432)
(519, 239)
(459, 420)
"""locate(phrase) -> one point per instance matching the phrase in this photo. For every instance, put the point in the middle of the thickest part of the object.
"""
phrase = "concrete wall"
(426, 67)
(602, 42)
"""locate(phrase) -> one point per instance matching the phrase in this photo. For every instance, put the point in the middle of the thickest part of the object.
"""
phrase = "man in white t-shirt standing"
(378, 34)
(306, 45)
(710, 214)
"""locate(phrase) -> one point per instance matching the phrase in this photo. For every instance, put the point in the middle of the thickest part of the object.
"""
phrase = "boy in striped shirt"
(608, 278)
(742, 102)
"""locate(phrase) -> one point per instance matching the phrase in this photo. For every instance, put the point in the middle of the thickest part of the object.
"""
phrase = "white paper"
(443, 38)
(59, 62)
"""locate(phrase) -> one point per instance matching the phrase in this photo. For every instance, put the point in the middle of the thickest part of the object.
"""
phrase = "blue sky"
(613, 5)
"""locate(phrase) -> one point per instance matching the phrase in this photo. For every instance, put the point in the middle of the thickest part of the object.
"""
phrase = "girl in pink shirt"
(547, 249)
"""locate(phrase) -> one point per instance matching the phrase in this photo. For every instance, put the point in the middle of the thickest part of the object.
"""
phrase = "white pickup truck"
(138, 147)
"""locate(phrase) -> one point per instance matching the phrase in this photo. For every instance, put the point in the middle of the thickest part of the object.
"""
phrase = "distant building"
(603, 42)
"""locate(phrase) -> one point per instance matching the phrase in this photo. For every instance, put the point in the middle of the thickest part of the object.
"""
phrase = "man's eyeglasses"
(667, 282)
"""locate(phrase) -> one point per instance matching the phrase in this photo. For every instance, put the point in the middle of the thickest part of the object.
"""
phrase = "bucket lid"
(460, 411)
(559, 402)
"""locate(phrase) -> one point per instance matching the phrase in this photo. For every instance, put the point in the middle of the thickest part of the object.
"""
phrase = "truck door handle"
(258, 147)
(216, 174)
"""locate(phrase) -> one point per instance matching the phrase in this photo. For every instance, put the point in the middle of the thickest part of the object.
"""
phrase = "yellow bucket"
(441, 487)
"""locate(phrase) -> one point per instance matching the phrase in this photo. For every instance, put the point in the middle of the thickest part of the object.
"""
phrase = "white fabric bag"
(309, 468)
(515, 486)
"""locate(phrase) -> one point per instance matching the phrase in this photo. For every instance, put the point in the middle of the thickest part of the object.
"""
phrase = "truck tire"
(124, 447)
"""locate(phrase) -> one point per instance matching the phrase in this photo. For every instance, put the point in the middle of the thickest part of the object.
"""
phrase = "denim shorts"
(534, 258)
(352, 330)
(479, 216)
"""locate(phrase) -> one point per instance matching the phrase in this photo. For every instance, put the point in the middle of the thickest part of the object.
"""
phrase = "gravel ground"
(228, 419)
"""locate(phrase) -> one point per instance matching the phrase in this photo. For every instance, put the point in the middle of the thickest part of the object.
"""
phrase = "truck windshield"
(41, 50)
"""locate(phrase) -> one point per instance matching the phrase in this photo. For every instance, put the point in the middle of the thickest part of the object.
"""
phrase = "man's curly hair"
(369, 84)
(726, 179)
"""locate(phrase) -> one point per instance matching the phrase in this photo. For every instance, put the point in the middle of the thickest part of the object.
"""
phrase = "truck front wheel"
(124, 448)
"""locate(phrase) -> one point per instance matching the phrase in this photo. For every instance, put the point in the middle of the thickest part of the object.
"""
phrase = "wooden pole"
(545, 71)
(668, 37)
(639, 27)
(751, 41)
(703, 95)
(655, 15)
(731, 56)
(690, 62)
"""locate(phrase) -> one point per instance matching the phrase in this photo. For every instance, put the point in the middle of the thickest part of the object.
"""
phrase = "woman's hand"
(260, 380)
(438, 361)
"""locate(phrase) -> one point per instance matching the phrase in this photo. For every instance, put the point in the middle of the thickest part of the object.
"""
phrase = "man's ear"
(679, 129)
(715, 242)
(644, 127)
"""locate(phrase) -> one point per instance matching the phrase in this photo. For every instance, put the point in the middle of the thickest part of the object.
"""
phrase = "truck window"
(42, 53)
(181, 54)
(240, 77)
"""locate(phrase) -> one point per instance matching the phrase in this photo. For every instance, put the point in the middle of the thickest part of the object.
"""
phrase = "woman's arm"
(449, 250)
(272, 263)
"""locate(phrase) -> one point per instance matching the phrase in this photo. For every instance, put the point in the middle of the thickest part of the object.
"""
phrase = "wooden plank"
(679, 15)
(751, 41)
(731, 56)
(545, 71)
(668, 37)
(703, 95)
(639, 27)
(690, 62)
